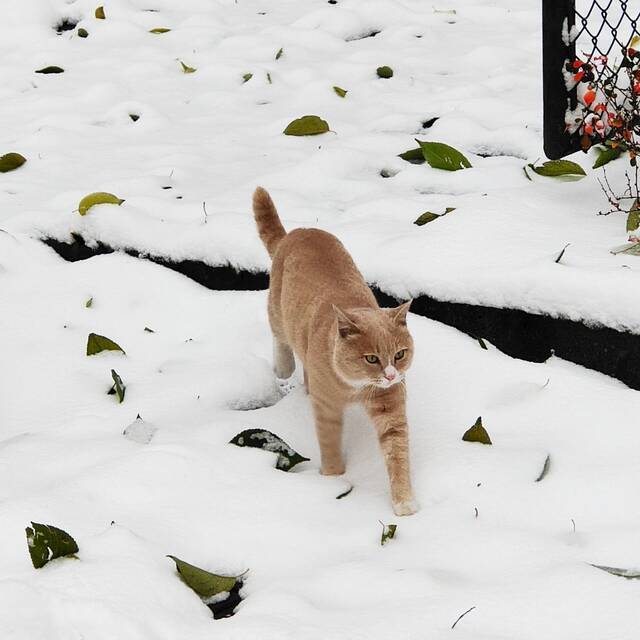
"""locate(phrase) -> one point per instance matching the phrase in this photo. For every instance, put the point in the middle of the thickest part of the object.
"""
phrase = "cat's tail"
(269, 226)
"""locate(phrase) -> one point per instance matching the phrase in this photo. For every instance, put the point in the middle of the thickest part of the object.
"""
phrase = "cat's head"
(373, 347)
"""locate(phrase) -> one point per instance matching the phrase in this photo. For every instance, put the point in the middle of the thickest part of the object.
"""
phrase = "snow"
(487, 534)
(212, 138)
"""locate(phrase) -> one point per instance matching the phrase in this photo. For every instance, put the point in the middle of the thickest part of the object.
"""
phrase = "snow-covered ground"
(211, 137)
(317, 569)
(487, 535)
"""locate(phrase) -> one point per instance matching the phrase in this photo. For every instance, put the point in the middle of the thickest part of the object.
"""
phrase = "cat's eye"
(400, 354)
(371, 359)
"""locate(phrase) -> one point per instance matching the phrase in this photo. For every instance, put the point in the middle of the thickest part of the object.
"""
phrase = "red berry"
(589, 97)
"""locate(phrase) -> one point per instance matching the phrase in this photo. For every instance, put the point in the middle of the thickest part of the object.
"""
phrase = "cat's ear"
(399, 314)
(346, 325)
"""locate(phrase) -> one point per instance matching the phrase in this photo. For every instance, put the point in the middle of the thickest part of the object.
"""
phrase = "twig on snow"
(462, 615)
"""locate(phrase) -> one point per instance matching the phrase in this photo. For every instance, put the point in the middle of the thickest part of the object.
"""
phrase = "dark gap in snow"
(365, 34)
(388, 173)
(517, 333)
(427, 124)
(226, 608)
(223, 278)
(332, 1)
(134, 116)
(66, 24)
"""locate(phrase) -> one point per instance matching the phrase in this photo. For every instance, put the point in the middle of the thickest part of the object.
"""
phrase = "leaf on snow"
(279, 54)
(341, 92)
(83, 33)
(204, 583)
(557, 168)
(97, 343)
(429, 216)
(186, 68)
(246, 77)
(606, 155)
(631, 249)
(263, 439)
(159, 30)
(414, 156)
(46, 542)
(100, 13)
(441, 156)
(51, 69)
(384, 72)
(545, 469)
(98, 197)
(388, 532)
(307, 126)
(11, 161)
(477, 433)
(89, 303)
(633, 219)
(119, 387)
(629, 574)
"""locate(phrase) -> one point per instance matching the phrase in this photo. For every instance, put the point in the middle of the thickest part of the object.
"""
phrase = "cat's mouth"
(385, 384)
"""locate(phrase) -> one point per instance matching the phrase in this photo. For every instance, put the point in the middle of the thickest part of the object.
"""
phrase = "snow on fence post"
(592, 28)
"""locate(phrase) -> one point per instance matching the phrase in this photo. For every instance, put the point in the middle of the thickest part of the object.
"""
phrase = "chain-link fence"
(584, 30)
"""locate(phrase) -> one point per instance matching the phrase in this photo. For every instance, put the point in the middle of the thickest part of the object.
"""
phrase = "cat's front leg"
(328, 419)
(387, 410)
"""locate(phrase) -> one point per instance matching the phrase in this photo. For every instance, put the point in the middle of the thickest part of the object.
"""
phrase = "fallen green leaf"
(119, 387)
(633, 219)
(204, 583)
(89, 303)
(306, 126)
(545, 468)
(83, 33)
(477, 433)
(99, 13)
(269, 78)
(51, 69)
(149, 330)
(629, 574)
(11, 161)
(414, 156)
(187, 68)
(556, 168)
(384, 72)
(247, 76)
(46, 542)
(388, 532)
(263, 439)
(99, 197)
(97, 344)
(427, 216)
(526, 173)
(341, 92)
(441, 156)
(159, 30)
(279, 54)
(482, 343)
(606, 155)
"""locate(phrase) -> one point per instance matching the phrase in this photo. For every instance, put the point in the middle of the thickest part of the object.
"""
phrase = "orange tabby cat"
(321, 308)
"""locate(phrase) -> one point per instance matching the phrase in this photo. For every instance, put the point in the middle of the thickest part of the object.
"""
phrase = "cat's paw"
(285, 386)
(405, 507)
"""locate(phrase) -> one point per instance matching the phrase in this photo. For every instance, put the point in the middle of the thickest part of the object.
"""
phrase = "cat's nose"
(390, 374)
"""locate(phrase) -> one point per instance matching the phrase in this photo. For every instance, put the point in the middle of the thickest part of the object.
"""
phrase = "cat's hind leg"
(283, 362)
